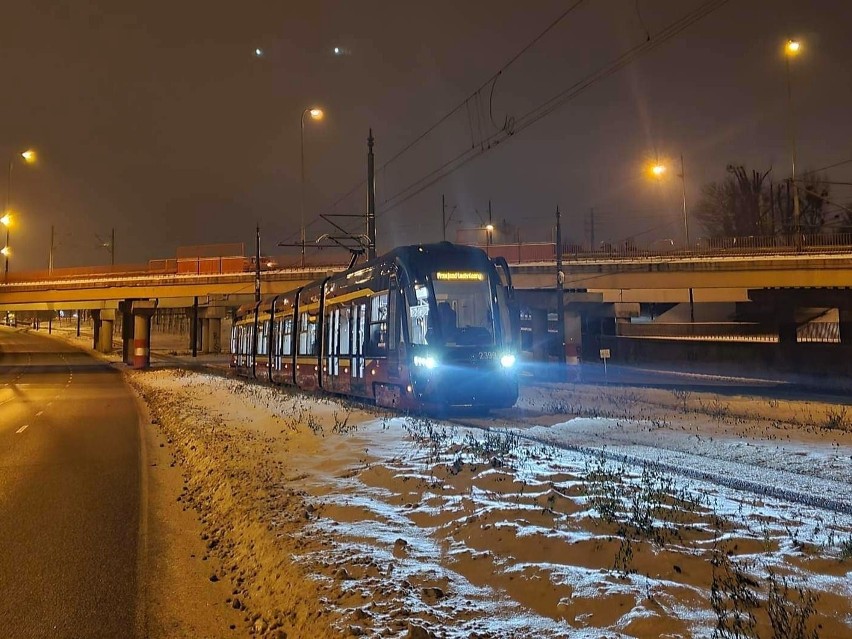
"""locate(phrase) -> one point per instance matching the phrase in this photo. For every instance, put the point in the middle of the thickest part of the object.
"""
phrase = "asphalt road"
(69, 493)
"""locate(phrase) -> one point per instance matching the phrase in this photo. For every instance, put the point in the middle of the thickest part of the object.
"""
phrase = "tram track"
(760, 489)
(511, 418)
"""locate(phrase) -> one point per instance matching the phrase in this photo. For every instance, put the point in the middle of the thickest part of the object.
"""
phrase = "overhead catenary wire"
(464, 104)
(486, 143)
(537, 113)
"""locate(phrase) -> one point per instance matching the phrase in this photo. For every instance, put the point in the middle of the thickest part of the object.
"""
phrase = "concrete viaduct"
(595, 286)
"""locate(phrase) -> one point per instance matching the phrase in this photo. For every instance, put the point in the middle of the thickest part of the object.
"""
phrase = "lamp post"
(658, 170)
(29, 156)
(682, 176)
(316, 114)
(489, 229)
(791, 49)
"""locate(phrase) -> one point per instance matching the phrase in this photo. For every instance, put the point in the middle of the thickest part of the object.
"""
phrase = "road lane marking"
(22, 429)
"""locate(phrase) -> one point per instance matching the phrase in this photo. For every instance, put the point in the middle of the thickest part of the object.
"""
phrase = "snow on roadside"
(330, 520)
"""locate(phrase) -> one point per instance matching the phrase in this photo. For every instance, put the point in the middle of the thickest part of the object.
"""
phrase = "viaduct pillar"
(103, 322)
(211, 329)
(142, 311)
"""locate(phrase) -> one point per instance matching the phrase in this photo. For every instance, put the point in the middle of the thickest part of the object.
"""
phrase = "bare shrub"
(682, 396)
(496, 445)
(734, 598)
(835, 419)
(651, 507)
(790, 609)
(738, 600)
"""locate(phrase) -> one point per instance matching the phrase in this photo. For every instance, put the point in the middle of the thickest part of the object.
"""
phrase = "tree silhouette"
(747, 204)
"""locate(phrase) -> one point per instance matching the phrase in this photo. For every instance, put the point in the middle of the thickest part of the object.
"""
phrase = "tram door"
(337, 357)
(359, 325)
(332, 347)
(393, 328)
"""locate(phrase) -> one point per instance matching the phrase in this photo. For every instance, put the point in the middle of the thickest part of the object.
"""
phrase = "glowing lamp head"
(6, 251)
(792, 47)
(508, 360)
(316, 114)
(489, 227)
(658, 170)
(29, 156)
(6, 220)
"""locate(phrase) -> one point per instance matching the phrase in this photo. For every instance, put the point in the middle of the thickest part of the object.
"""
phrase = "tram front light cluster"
(425, 361)
(508, 360)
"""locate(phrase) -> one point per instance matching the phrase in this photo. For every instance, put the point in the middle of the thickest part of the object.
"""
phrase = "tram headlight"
(508, 360)
(425, 361)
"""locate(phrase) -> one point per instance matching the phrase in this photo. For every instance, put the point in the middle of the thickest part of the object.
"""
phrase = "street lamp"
(315, 114)
(658, 170)
(792, 48)
(29, 156)
(489, 229)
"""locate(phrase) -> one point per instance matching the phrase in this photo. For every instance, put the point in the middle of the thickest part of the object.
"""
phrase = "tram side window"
(277, 327)
(308, 334)
(262, 335)
(418, 315)
(287, 337)
(345, 330)
(247, 337)
(378, 329)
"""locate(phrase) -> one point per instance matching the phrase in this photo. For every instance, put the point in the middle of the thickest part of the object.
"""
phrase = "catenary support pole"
(560, 297)
(371, 199)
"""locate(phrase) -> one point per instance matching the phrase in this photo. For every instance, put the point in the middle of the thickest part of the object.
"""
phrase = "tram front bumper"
(467, 386)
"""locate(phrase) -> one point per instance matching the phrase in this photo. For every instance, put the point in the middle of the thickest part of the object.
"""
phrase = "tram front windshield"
(464, 310)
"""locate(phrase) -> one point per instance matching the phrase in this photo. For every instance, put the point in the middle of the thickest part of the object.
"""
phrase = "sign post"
(605, 355)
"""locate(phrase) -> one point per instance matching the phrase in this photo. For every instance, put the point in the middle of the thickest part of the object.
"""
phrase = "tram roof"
(415, 256)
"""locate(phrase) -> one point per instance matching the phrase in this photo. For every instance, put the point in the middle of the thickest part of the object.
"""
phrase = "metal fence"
(704, 247)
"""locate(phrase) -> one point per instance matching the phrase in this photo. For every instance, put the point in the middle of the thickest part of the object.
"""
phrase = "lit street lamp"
(659, 170)
(316, 114)
(791, 49)
(29, 156)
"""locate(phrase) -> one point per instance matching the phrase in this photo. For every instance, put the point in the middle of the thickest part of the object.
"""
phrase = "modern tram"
(422, 327)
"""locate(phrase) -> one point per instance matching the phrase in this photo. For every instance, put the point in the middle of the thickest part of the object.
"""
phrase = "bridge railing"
(705, 247)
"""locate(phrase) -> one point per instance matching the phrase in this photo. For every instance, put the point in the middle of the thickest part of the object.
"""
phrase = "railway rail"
(739, 483)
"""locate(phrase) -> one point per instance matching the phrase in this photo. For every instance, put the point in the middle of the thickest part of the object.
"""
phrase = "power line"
(831, 166)
(463, 104)
(537, 113)
(544, 109)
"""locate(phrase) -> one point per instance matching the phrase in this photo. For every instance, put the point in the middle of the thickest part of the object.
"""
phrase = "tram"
(421, 327)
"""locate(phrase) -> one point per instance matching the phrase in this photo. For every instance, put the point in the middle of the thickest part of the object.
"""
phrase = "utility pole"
(560, 298)
(50, 257)
(112, 247)
(686, 235)
(592, 229)
(371, 199)
(256, 264)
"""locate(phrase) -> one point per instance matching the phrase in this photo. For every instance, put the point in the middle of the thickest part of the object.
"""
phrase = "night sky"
(158, 118)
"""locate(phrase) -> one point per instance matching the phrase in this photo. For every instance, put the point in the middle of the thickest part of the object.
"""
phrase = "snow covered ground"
(320, 518)
(329, 519)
